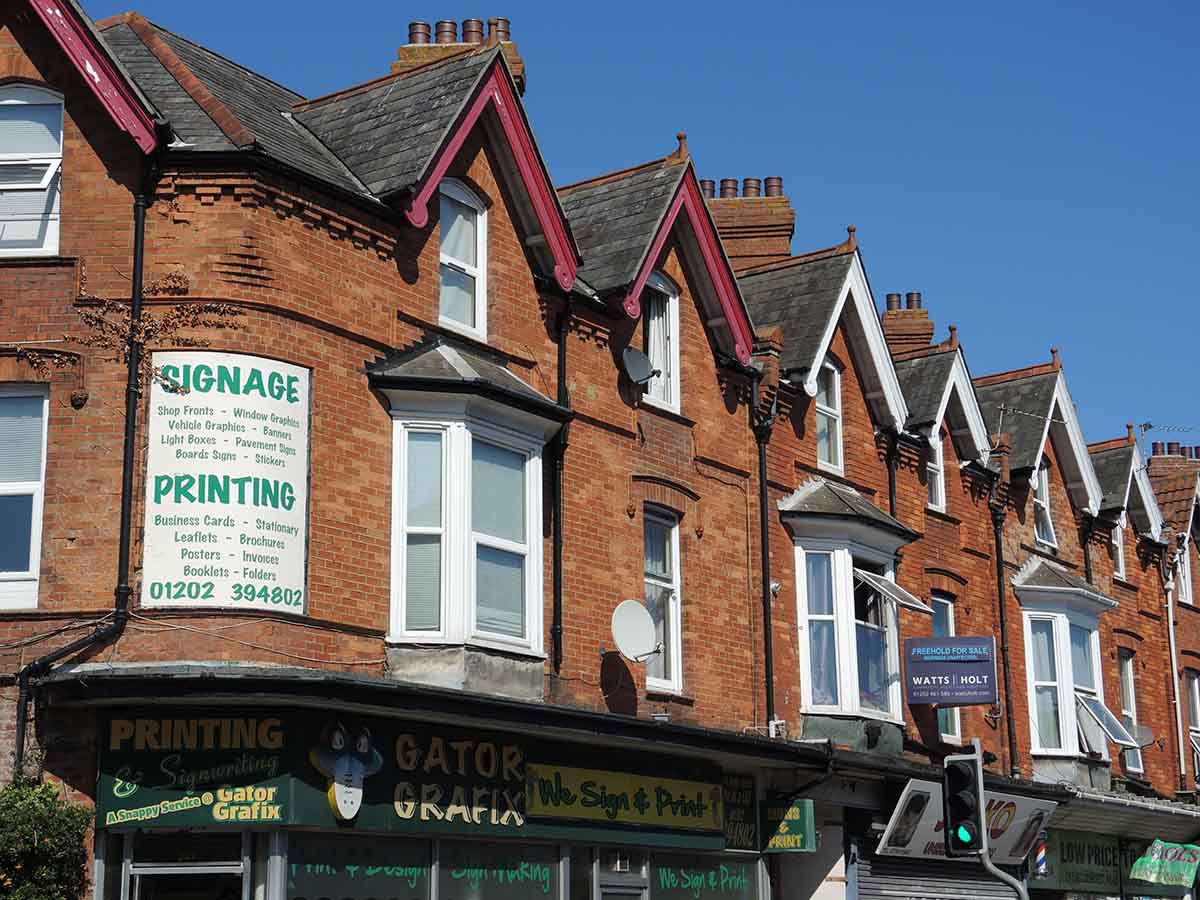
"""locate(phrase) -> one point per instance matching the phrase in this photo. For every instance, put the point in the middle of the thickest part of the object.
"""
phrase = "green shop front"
(286, 803)
(1080, 865)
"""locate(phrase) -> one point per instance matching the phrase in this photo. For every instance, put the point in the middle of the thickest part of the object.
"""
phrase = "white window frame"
(936, 599)
(459, 540)
(834, 414)
(456, 190)
(669, 378)
(1041, 502)
(935, 474)
(19, 590)
(674, 684)
(1191, 681)
(12, 94)
(1118, 545)
(842, 557)
(1068, 693)
(1126, 663)
(1183, 577)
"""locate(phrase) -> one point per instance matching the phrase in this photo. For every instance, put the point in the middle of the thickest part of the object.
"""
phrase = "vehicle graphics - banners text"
(313, 769)
(227, 482)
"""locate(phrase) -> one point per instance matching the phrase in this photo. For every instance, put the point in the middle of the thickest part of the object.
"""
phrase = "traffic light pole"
(985, 856)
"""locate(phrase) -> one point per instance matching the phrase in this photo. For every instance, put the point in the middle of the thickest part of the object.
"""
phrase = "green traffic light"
(964, 835)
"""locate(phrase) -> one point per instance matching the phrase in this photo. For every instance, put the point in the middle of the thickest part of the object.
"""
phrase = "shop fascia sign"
(1085, 862)
(915, 830)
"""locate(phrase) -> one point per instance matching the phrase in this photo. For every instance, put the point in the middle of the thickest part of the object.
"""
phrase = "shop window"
(1125, 660)
(23, 410)
(829, 418)
(495, 871)
(31, 126)
(463, 252)
(347, 867)
(1118, 547)
(949, 725)
(663, 599)
(935, 475)
(1066, 700)
(660, 336)
(848, 605)
(467, 544)
(1043, 523)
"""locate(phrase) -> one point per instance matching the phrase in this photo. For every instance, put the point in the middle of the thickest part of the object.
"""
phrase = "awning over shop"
(1127, 817)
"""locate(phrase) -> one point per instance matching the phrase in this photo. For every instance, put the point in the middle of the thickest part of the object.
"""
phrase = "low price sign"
(950, 671)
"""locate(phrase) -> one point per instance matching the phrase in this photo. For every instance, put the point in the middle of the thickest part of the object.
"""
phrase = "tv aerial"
(633, 631)
(638, 367)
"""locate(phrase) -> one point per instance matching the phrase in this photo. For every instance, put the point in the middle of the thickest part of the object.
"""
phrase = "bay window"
(850, 661)
(467, 534)
(660, 338)
(661, 580)
(23, 410)
(829, 418)
(1043, 523)
(1068, 716)
(463, 260)
(31, 129)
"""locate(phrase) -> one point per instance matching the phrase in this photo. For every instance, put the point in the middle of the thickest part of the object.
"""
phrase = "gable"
(128, 108)
(937, 388)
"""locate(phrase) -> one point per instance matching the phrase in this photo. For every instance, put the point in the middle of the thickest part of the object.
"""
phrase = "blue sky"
(1032, 168)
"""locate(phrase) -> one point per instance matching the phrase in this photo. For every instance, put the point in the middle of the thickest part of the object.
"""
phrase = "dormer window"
(1043, 524)
(829, 418)
(660, 338)
(31, 126)
(463, 304)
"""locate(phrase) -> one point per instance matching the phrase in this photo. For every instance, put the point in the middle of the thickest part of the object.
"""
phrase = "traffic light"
(962, 805)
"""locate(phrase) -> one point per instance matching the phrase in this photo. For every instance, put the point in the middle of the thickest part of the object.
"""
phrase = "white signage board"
(227, 483)
(916, 828)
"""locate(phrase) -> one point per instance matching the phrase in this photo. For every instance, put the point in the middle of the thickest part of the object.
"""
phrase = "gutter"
(114, 629)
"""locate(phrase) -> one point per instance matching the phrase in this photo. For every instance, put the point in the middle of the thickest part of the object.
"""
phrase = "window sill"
(1073, 756)
(942, 516)
(1120, 582)
(838, 713)
(463, 330)
(1047, 551)
(34, 259)
(474, 643)
(666, 695)
(665, 411)
(839, 471)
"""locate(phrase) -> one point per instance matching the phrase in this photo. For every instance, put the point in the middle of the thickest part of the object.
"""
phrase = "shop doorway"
(182, 865)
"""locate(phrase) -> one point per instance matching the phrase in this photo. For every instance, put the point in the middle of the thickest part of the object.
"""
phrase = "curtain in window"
(32, 129)
(20, 478)
(423, 553)
(822, 645)
(498, 512)
(1046, 696)
(27, 217)
(659, 576)
(500, 591)
(658, 339)
(1081, 659)
(458, 229)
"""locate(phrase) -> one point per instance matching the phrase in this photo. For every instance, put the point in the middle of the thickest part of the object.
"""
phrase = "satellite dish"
(637, 366)
(633, 631)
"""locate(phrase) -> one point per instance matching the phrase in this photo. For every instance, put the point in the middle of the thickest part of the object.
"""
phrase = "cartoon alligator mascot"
(347, 762)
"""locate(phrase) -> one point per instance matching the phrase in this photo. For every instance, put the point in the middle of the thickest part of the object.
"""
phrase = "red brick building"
(416, 422)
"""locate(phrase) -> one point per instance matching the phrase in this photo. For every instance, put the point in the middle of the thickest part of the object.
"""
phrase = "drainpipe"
(1169, 572)
(113, 629)
(560, 454)
(999, 512)
(1089, 528)
(762, 426)
(893, 455)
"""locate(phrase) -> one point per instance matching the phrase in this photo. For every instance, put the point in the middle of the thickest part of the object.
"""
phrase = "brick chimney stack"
(756, 225)
(428, 44)
(909, 327)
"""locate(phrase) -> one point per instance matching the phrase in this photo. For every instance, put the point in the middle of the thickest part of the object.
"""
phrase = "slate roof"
(188, 119)
(1112, 468)
(801, 297)
(1032, 395)
(261, 105)
(615, 218)
(440, 364)
(821, 497)
(388, 132)
(923, 381)
(1041, 573)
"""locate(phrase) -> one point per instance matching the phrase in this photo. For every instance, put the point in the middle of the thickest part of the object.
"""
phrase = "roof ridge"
(848, 246)
(224, 58)
(469, 50)
(1015, 374)
(661, 162)
(147, 32)
(922, 353)
(1108, 445)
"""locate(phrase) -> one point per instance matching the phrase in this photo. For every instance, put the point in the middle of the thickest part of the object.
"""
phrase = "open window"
(31, 133)
(1126, 665)
(935, 476)
(1118, 547)
(463, 254)
(660, 338)
(1043, 522)
(829, 418)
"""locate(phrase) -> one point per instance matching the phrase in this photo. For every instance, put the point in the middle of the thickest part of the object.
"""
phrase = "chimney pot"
(751, 187)
(1196, 452)
(1156, 448)
(418, 32)
(1187, 452)
(708, 188)
(446, 32)
(912, 300)
(893, 301)
(729, 187)
(501, 28)
(773, 186)
(1172, 448)
(472, 31)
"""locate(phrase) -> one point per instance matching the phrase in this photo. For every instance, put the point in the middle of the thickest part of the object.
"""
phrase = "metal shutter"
(888, 878)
